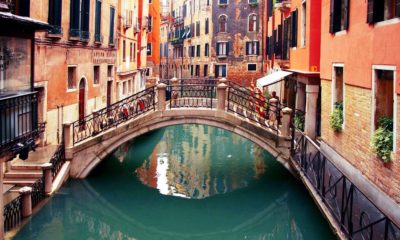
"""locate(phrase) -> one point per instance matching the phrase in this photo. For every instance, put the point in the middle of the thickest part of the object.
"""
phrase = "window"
(149, 49)
(206, 50)
(222, 2)
(191, 70)
(197, 70)
(96, 74)
(97, 24)
(112, 16)
(198, 51)
(55, 16)
(222, 49)
(338, 88)
(286, 39)
(71, 77)
(253, 48)
(293, 24)
(220, 70)
(191, 51)
(130, 52)
(207, 27)
(124, 88)
(252, 67)
(84, 27)
(339, 19)
(198, 28)
(222, 23)
(110, 71)
(150, 23)
(303, 23)
(123, 50)
(134, 51)
(381, 10)
(253, 23)
(205, 70)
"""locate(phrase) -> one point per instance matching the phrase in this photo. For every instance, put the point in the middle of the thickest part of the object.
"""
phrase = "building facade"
(293, 49)
(237, 41)
(76, 60)
(154, 42)
(360, 71)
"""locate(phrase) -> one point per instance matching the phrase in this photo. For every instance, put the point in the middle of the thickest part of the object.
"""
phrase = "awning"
(272, 78)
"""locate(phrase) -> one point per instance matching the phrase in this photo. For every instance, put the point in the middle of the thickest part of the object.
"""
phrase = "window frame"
(220, 22)
(252, 70)
(94, 75)
(333, 91)
(76, 77)
(255, 23)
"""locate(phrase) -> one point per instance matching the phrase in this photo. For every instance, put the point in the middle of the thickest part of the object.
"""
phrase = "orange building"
(360, 68)
(153, 40)
(293, 57)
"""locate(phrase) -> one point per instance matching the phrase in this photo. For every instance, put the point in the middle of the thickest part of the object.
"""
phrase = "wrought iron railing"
(192, 95)
(38, 191)
(58, 159)
(256, 109)
(357, 216)
(18, 120)
(115, 114)
(12, 213)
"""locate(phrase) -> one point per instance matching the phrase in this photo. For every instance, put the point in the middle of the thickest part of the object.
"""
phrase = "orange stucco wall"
(153, 37)
(359, 48)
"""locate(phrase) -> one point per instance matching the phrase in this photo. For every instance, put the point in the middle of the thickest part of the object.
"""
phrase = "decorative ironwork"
(18, 120)
(358, 217)
(12, 214)
(38, 191)
(58, 159)
(246, 104)
(192, 95)
(117, 113)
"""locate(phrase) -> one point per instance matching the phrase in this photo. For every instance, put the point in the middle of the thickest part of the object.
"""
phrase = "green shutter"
(98, 21)
(398, 8)
(346, 14)
(112, 16)
(74, 18)
(331, 16)
(247, 48)
(85, 9)
(217, 50)
(227, 49)
(294, 29)
(258, 48)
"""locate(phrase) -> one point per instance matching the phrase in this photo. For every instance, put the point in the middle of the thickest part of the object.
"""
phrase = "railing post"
(48, 177)
(286, 122)
(96, 122)
(174, 91)
(68, 140)
(161, 96)
(26, 201)
(272, 116)
(221, 96)
(222, 80)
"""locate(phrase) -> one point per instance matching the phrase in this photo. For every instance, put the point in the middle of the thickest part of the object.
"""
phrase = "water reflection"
(198, 162)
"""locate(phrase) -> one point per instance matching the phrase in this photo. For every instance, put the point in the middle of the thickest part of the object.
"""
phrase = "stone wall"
(354, 141)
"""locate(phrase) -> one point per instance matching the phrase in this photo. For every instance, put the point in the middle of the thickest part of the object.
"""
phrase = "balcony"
(176, 41)
(74, 34)
(19, 118)
(283, 5)
(85, 36)
(178, 21)
(55, 32)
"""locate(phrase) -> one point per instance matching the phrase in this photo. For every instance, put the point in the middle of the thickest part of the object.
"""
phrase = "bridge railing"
(117, 113)
(357, 216)
(193, 95)
(257, 109)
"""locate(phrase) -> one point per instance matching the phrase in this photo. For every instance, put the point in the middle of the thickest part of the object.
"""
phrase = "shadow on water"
(158, 187)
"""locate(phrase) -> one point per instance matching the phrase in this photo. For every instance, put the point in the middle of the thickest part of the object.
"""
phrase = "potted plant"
(382, 140)
(336, 118)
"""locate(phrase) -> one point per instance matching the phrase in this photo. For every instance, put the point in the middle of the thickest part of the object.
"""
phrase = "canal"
(182, 182)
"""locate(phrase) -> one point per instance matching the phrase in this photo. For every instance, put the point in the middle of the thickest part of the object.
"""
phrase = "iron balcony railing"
(357, 216)
(117, 113)
(18, 120)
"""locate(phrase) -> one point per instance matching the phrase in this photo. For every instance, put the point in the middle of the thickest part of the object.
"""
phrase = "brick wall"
(354, 142)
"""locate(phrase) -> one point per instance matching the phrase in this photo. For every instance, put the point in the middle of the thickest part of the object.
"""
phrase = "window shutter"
(74, 18)
(247, 48)
(279, 40)
(227, 49)
(331, 16)
(274, 41)
(112, 12)
(85, 17)
(267, 48)
(258, 48)
(257, 24)
(346, 14)
(216, 71)
(294, 29)
(398, 8)
(370, 11)
(285, 39)
(98, 18)
(269, 7)
(218, 44)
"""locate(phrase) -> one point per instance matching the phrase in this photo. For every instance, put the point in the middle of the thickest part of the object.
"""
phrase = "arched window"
(222, 23)
(253, 23)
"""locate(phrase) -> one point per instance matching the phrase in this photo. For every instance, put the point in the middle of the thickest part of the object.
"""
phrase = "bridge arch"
(88, 154)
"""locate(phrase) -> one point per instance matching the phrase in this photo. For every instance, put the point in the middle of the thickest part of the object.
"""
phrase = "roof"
(9, 18)
(272, 78)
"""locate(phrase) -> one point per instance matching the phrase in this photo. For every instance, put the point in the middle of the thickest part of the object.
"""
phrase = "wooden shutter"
(294, 29)
(346, 14)
(217, 50)
(398, 8)
(258, 48)
(370, 11)
(285, 39)
(267, 48)
(85, 18)
(112, 13)
(247, 48)
(269, 7)
(227, 49)
(97, 20)
(216, 71)
(331, 16)
(279, 40)
(74, 17)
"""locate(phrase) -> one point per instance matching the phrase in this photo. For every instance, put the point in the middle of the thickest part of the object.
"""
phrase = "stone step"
(19, 182)
(23, 174)
(26, 167)
(15, 189)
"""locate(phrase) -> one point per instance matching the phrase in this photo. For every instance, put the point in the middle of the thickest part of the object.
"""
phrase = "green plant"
(298, 122)
(382, 140)
(253, 4)
(336, 118)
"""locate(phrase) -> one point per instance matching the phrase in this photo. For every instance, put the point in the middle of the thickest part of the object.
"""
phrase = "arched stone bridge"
(220, 104)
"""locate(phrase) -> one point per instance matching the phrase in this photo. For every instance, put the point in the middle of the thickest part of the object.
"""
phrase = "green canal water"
(182, 182)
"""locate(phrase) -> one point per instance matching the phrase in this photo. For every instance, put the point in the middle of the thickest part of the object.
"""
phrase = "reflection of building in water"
(198, 161)
(122, 151)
